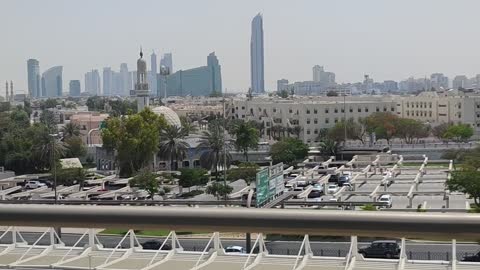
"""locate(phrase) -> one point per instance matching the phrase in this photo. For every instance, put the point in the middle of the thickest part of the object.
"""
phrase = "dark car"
(473, 258)
(381, 249)
(343, 180)
(155, 245)
(315, 194)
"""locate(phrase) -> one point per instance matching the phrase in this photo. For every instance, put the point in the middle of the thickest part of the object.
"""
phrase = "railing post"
(91, 237)
(454, 254)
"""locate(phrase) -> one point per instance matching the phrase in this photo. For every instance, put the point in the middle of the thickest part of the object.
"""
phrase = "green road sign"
(262, 187)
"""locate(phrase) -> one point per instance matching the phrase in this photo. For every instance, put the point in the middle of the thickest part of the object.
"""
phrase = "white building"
(256, 56)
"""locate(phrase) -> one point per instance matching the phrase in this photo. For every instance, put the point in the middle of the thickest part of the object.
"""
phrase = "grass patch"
(146, 232)
(368, 207)
(474, 209)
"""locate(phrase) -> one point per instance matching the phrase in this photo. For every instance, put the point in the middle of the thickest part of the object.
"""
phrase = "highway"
(415, 250)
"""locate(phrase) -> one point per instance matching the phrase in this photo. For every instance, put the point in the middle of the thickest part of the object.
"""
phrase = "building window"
(408, 113)
(384, 109)
(326, 110)
(326, 121)
(377, 109)
(430, 105)
(336, 110)
(308, 131)
(351, 110)
(459, 115)
(308, 111)
(408, 105)
(359, 109)
(243, 107)
(315, 131)
(392, 109)
(442, 105)
(459, 105)
(315, 121)
(308, 121)
(274, 110)
(315, 111)
(336, 120)
(430, 113)
(366, 109)
(290, 110)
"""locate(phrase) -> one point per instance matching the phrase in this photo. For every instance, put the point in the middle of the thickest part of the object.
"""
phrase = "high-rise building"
(33, 69)
(126, 81)
(200, 81)
(317, 73)
(256, 56)
(141, 87)
(460, 81)
(92, 82)
(167, 62)
(74, 88)
(153, 74)
(52, 82)
(282, 85)
(107, 81)
(438, 80)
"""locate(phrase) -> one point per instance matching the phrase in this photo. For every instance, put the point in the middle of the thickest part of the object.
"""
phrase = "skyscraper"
(33, 69)
(92, 82)
(126, 81)
(256, 55)
(153, 73)
(107, 81)
(52, 82)
(167, 61)
(215, 72)
(74, 88)
(317, 73)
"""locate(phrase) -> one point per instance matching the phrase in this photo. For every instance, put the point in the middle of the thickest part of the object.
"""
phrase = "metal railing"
(281, 221)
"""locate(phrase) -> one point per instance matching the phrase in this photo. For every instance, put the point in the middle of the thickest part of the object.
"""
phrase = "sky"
(391, 39)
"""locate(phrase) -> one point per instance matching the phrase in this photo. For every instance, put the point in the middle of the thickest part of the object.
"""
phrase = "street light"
(54, 137)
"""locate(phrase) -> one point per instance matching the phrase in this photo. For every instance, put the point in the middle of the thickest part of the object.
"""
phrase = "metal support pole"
(454, 254)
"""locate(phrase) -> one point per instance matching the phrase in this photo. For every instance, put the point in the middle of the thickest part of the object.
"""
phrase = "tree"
(383, 124)
(283, 94)
(120, 107)
(187, 126)
(71, 130)
(50, 103)
(466, 180)
(192, 177)
(245, 171)
(70, 176)
(440, 130)
(134, 138)
(147, 181)
(332, 93)
(459, 132)
(410, 130)
(246, 138)
(96, 103)
(172, 145)
(219, 190)
(288, 150)
(74, 147)
(213, 153)
(48, 119)
(47, 150)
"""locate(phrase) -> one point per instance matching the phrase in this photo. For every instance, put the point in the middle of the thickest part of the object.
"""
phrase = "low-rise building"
(89, 123)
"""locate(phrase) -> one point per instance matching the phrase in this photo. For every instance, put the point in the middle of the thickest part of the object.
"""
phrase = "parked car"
(332, 188)
(473, 258)
(381, 249)
(314, 194)
(343, 180)
(318, 187)
(333, 178)
(34, 184)
(387, 199)
(235, 249)
(155, 245)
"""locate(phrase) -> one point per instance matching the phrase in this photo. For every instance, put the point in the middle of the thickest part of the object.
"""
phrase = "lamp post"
(55, 136)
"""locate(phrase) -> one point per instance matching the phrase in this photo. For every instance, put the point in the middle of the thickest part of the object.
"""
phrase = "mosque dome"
(171, 116)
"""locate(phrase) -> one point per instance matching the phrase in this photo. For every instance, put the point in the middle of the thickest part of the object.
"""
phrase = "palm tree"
(71, 130)
(213, 147)
(187, 126)
(172, 146)
(246, 137)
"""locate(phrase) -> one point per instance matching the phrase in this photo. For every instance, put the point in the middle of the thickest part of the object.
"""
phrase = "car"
(314, 194)
(333, 178)
(387, 199)
(318, 187)
(332, 188)
(235, 250)
(473, 258)
(155, 245)
(343, 180)
(389, 249)
(34, 184)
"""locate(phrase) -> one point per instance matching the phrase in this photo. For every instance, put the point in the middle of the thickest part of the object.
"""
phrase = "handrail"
(282, 221)
(118, 245)
(204, 250)
(34, 244)
(74, 245)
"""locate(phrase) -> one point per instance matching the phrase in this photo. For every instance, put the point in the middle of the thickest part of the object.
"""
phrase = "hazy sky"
(386, 39)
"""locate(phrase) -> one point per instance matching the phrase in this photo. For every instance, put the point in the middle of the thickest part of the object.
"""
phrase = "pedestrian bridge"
(89, 253)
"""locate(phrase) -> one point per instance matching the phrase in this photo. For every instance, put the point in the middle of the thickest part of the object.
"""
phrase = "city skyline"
(394, 49)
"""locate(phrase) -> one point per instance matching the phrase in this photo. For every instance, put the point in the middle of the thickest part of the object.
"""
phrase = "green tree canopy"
(410, 130)
(173, 147)
(288, 150)
(135, 138)
(219, 190)
(147, 181)
(466, 180)
(459, 132)
(247, 137)
(192, 177)
(383, 124)
(212, 146)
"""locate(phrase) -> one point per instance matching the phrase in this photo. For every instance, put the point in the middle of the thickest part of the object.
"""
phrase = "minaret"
(141, 87)
(6, 91)
(11, 90)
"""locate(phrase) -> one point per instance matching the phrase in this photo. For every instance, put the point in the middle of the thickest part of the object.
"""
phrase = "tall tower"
(141, 87)
(33, 70)
(6, 91)
(256, 55)
(11, 90)
(153, 74)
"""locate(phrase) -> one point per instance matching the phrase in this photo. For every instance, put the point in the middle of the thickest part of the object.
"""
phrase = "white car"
(235, 249)
(34, 184)
(386, 199)
(318, 187)
(332, 188)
